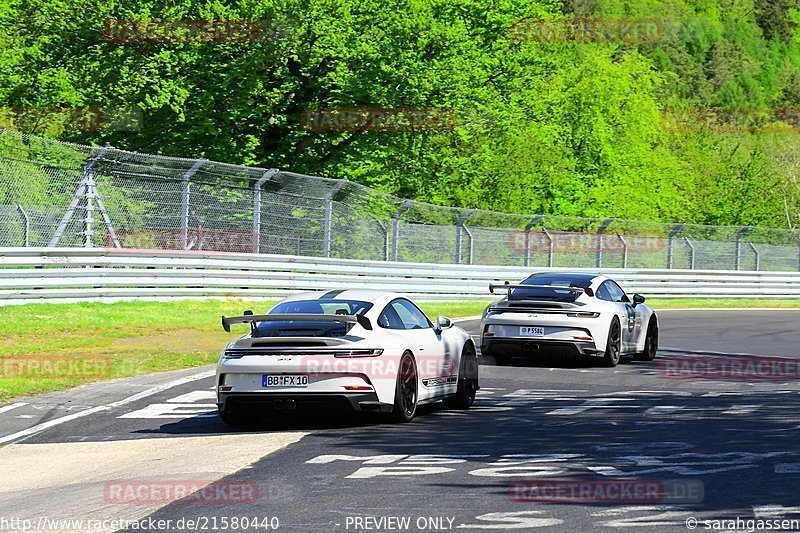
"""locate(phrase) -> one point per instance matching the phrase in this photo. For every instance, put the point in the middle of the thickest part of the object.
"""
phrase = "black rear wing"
(509, 287)
(250, 318)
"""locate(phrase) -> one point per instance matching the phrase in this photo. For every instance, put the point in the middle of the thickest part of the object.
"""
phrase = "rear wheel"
(613, 345)
(405, 392)
(467, 380)
(650, 343)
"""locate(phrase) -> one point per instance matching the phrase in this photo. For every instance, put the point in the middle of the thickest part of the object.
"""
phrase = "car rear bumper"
(532, 347)
(286, 402)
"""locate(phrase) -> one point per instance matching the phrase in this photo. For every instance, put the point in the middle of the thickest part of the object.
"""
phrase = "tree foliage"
(573, 128)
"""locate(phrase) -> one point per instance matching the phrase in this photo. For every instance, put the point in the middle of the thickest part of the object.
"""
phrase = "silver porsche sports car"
(584, 314)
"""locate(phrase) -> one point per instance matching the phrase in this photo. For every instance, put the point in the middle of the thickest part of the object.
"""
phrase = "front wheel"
(405, 392)
(613, 345)
(467, 380)
(650, 343)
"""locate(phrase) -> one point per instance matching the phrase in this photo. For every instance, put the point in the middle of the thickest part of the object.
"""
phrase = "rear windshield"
(556, 295)
(311, 327)
(322, 307)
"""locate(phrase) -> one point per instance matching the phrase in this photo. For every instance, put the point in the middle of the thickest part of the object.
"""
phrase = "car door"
(429, 347)
(630, 324)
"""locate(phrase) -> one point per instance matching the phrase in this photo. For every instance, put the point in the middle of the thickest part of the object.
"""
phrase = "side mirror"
(638, 299)
(443, 323)
(588, 291)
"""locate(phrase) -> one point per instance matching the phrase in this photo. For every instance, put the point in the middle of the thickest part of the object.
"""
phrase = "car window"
(404, 312)
(616, 292)
(389, 319)
(603, 292)
(322, 307)
(553, 280)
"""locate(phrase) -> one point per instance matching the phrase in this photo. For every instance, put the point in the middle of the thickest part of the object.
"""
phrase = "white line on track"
(12, 406)
(80, 414)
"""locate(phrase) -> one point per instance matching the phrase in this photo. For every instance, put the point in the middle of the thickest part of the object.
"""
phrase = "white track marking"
(195, 396)
(161, 388)
(787, 468)
(774, 510)
(663, 409)
(9, 407)
(743, 409)
(598, 403)
(50, 423)
(80, 414)
(174, 410)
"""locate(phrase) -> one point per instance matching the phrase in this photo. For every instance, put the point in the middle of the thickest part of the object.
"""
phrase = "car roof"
(362, 295)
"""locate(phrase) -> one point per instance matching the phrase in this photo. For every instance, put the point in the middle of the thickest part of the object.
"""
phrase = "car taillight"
(358, 387)
(358, 353)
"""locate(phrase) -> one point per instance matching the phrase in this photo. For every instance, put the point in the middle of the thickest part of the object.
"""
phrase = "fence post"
(674, 231)
(624, 250)
(385, 231)
(460, 232)
(396, 227)
(758, 255)
(81, 193)
(691, 252)
(88, 219)
(526, 261)
(265, 177)
(185, 201)
(471, 245)
(599, 255)
(738, 259)
(329, 215)
(27, 226)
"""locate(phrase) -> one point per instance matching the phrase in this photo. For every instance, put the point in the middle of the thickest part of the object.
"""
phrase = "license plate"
(531, 331)
(285, 380)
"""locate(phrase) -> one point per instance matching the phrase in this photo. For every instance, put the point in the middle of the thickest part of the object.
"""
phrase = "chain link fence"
(60, 194)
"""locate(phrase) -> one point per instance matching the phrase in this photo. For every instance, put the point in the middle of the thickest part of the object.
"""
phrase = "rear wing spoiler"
(250, 318)
(507, 286)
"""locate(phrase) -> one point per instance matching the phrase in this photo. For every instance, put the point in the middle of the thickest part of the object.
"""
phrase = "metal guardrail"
(106, 274)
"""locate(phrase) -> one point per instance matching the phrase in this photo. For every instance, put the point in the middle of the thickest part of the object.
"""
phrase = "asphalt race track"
(714, 449)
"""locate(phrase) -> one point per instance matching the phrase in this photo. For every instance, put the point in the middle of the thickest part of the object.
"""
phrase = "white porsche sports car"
(584, 314)
(347, 349)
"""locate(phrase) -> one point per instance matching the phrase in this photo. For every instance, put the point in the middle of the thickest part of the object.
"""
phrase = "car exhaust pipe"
(278, 405)
(291, 405)
(530, 347)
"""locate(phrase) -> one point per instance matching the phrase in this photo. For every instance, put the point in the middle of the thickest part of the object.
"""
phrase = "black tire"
(236, 419)
(650, 342)
(613, 345)
(405, 392)
(467, 380)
